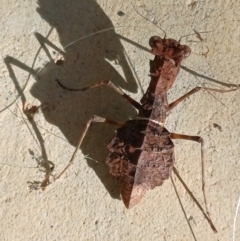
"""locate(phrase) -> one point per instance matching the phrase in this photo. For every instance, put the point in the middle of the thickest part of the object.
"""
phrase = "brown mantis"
(141, 155)
(82, 173)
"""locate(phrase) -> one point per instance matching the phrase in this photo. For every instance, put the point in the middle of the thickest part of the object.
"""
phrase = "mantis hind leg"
(92, 119)
(199, 140)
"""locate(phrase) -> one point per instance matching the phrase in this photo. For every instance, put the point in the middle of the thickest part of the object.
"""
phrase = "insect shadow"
(85, 62)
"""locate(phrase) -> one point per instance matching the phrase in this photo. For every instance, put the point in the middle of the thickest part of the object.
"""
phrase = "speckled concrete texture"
(84, 203)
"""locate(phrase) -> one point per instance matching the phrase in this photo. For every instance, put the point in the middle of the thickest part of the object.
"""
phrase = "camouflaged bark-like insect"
(141, 154)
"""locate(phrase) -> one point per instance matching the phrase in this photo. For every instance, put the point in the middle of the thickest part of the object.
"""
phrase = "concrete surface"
(84, 203)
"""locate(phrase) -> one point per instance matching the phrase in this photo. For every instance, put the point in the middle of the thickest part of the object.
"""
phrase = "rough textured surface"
(141, 157)
(84, 204)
